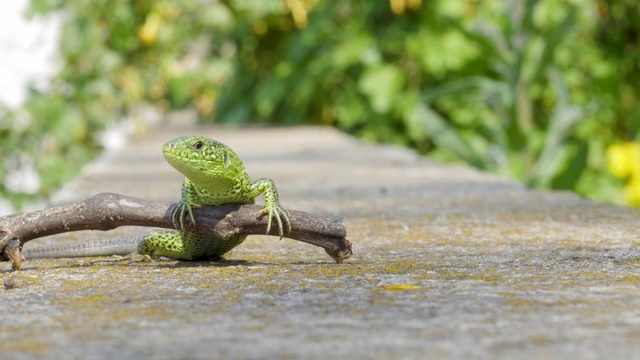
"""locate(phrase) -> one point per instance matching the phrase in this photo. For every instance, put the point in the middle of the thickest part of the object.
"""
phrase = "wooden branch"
(106, 211)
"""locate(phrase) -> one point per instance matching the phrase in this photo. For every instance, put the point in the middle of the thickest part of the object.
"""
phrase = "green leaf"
(382, 84)
(490, 40)
(179, 93)
(571, 174)
(423, 122)
(552, 41)
(564, 117)
(485, 84)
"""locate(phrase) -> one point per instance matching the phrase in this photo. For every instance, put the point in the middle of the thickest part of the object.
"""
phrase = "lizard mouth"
(189, 166)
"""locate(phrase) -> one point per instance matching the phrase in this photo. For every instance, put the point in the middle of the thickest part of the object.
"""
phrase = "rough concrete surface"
(448, 263)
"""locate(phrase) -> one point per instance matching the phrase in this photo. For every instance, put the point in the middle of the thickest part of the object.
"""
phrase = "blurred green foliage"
(533, 90)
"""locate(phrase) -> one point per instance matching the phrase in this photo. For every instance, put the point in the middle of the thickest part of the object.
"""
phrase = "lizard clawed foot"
(279, 213)
(180, 211)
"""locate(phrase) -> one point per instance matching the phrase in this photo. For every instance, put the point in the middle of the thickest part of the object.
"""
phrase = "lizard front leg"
(187, 203)
(272, 206)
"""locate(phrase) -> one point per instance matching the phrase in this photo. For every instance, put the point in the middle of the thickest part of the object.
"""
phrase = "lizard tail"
(123, 245)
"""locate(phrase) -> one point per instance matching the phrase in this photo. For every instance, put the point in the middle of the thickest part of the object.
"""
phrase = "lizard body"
(214, 175)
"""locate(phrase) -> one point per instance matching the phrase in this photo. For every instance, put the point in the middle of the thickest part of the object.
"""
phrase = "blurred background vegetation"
(546, 92)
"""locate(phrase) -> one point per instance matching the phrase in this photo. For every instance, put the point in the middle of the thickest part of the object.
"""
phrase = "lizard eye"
(198, 145)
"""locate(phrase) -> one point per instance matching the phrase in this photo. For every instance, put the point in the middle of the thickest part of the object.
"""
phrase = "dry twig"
(106, 211)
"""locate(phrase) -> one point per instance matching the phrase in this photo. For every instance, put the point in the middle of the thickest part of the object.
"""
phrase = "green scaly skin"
(214, 175)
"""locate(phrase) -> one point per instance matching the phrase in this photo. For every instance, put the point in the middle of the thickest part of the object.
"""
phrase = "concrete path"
(448, 263)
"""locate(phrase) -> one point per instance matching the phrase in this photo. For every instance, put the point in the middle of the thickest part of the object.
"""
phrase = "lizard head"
(201, 159)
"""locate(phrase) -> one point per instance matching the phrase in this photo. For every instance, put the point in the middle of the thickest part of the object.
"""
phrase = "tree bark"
(106, 211)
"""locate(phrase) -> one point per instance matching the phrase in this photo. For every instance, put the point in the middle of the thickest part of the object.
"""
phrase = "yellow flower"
(148, 33)
(632, 190)
(399, 6)
(623, 159)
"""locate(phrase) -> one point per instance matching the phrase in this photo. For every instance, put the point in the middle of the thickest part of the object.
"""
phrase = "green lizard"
(214, 175)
